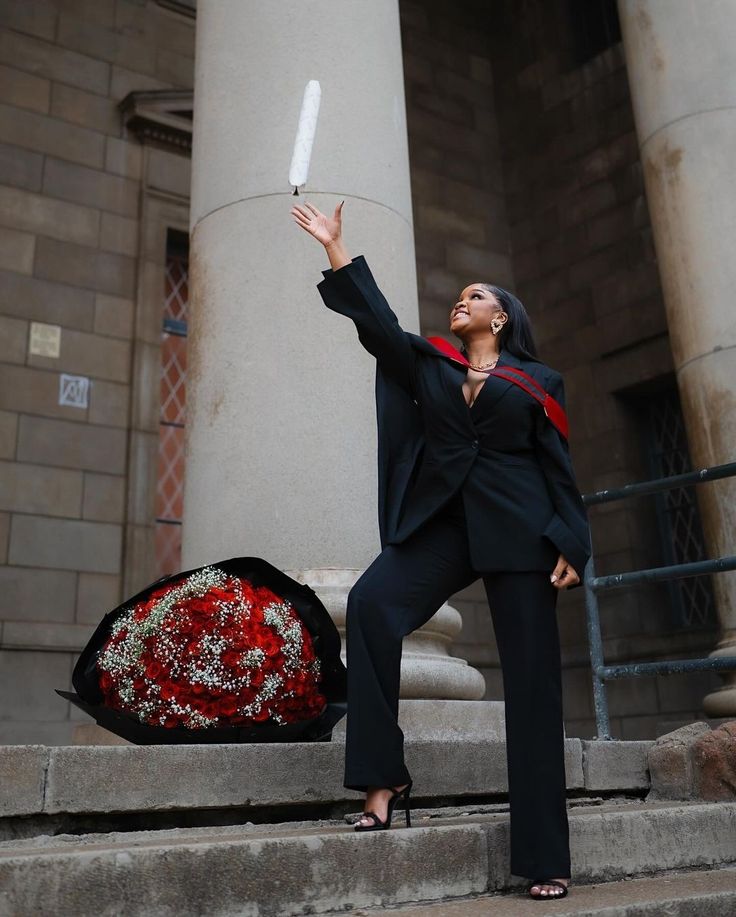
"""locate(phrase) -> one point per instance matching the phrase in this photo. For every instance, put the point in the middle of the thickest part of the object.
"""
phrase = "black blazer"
(503, 454)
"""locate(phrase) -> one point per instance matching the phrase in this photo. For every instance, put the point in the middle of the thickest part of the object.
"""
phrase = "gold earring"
(496, 326)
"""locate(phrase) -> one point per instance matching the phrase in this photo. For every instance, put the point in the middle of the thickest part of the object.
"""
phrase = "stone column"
(681, 59)
(281, 432)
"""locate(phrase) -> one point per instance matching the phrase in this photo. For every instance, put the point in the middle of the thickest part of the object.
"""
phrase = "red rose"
(153, 669)
(200, 607)
(230, 657)
(167, 691)
(247, 696)
(228, 706)
(248, 593)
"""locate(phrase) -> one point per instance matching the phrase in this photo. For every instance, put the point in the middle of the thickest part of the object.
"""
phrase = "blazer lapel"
(441, 347)
(500, 386)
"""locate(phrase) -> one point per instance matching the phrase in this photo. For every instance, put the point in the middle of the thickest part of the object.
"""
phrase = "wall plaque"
(45, 340)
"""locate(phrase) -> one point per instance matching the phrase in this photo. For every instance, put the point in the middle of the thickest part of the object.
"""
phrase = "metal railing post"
(595, 642)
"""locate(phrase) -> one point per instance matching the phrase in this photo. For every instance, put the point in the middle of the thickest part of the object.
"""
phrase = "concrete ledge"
(695, 893)
(619, 840)
(268, 876)
(647, 839)
(131, 778)
(291, 869)
(22, 778)
(611, 765)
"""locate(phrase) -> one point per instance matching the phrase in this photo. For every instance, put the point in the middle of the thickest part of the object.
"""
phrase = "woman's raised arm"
(349, 288)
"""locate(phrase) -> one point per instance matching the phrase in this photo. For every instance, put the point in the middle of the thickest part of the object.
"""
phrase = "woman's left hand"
(564, 574)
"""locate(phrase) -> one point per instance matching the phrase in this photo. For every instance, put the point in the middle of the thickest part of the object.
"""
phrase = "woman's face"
(472, 313)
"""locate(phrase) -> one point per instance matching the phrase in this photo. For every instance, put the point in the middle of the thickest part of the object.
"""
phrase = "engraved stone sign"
(73, 391)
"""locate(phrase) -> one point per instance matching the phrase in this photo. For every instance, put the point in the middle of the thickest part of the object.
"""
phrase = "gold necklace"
(480, 367)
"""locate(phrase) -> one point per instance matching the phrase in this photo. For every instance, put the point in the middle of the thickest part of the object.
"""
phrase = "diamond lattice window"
(679, 517)
(170, 480)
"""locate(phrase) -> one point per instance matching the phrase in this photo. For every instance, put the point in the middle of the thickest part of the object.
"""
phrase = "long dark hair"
(516, 335)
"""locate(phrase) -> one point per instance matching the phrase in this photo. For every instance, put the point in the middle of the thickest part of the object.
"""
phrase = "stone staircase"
(265, 830)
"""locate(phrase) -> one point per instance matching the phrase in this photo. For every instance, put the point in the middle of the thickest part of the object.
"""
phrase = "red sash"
(552, 408)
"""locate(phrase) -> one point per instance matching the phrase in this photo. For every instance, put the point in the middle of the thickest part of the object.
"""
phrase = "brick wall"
(70, 211)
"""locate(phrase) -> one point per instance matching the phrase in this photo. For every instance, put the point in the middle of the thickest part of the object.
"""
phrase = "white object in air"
(305, 135)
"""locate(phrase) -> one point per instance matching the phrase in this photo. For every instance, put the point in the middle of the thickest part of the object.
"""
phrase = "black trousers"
(399, 592)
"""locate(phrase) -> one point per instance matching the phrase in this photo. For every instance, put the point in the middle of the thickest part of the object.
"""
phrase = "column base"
(428, 671)
(722, 702)
(445, 720)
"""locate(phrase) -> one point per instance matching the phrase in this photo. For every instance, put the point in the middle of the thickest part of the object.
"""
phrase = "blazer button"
(475, 444)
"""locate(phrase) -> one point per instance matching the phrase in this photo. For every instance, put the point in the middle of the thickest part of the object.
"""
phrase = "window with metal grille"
(678, 519)
(595, 26)
(170, 480)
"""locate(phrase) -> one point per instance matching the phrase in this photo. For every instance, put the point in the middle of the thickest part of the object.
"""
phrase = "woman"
(474, 481)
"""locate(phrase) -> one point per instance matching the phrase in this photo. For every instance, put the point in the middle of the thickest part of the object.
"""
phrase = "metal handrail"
(593, 584)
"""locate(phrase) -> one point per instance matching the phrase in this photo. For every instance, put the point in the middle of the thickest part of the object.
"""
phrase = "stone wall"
(72, 193)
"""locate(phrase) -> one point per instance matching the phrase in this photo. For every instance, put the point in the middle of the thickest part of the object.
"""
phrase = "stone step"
(47, 789)
(317, 867)
(689, 893)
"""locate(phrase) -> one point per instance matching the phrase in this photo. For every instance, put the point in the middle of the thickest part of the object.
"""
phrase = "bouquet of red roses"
(211, 649)
(217, 654)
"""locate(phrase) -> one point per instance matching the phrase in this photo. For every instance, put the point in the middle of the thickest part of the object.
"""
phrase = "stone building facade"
(525, 171)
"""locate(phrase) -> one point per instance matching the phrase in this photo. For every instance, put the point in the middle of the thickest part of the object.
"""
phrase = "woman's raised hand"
(327, 230)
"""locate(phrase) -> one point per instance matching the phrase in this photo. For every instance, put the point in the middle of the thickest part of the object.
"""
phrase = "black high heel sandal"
(547, 897)
(395, 796)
